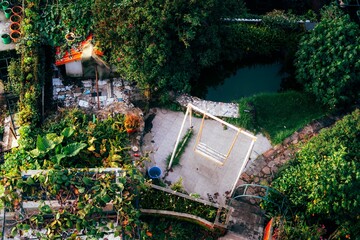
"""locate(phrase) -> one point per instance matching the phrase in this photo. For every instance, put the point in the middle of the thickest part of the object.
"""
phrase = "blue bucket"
(154, 172)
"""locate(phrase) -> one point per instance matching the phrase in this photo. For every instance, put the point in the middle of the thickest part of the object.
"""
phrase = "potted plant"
(15, 18)
(131, 122)
(6, 38)
(14, 26)
(17, 10)
(15, 35)
(8, 13)
(5, 5)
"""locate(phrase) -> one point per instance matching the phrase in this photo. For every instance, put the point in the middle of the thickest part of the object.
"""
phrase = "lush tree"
(323, 180)
(328, 59)
(161, 43)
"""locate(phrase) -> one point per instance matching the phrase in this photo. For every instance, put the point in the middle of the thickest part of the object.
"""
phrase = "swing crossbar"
(211, 153)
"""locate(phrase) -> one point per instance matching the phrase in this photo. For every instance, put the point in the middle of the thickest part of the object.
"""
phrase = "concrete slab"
(5, 28)
(200, 174)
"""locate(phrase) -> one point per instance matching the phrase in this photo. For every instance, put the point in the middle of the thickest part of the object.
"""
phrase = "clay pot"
(15, 36)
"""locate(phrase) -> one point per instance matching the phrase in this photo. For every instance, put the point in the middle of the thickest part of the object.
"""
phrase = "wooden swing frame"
(207, 151)
(188, 112)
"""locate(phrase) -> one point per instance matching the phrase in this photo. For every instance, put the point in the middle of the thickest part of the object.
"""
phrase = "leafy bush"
(322, 181)
(327, 60)
(82, 197)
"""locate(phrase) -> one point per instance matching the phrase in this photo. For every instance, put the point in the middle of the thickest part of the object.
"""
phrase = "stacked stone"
(218, 109)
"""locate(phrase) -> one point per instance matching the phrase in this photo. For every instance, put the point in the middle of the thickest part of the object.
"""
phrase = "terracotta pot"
(15, 18)
(17, 10)
(14, 27)
(15, 35)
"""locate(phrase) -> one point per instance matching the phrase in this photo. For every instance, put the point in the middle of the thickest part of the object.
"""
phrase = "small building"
(83, 60)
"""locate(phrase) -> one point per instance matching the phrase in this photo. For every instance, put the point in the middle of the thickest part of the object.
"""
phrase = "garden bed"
(163, 201)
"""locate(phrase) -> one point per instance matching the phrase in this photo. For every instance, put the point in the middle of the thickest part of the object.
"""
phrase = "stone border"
(263, 169)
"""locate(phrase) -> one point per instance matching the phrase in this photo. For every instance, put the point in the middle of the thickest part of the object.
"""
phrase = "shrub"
(327, 60)
(322, 181)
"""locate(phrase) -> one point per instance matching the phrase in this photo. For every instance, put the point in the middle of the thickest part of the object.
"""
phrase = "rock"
(271, 164)
(56, 81)
(287, 141)
(266, 170)
(288, 153)
(245, 177)
(83, 103)
(269, 153)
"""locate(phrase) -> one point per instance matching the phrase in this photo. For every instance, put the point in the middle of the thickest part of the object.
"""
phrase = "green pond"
(222, 85)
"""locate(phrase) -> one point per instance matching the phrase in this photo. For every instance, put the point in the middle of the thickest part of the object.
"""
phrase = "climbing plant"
(327, 62)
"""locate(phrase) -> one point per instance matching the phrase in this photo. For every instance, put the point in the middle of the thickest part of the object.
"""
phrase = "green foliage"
(277, 33)
(277, 115)
(72, 139)
(156, 199)
(14, 77)
(327, 61)
(86, 200)
(322, 181)
(168, 228)
(161, 44)
(181, 148)
(51, 141)
(62, 17)
(178, 186)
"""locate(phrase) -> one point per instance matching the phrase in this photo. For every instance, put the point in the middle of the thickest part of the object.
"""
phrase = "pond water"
(245, 81)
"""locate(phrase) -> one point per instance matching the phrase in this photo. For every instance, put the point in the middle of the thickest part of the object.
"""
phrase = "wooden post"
(178, 138)
(244, 164)
(97, 87)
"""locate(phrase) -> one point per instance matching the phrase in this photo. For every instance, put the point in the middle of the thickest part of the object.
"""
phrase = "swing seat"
(211, 153)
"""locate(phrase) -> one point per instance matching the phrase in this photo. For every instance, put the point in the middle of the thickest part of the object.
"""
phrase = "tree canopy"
(162, 43)
(328, 59)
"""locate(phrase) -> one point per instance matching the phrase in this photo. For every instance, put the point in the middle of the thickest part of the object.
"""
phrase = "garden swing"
(209, 152)
(201, 147)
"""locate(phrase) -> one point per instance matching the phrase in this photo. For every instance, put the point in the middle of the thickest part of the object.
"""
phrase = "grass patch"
(181, 148)
(277, 115)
